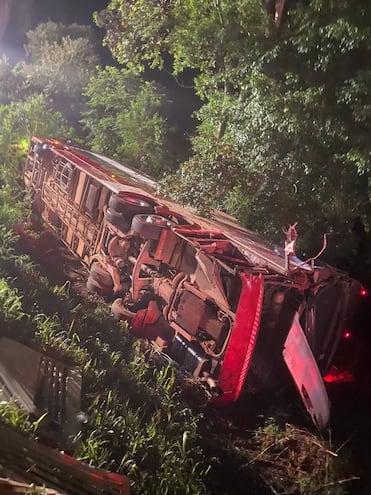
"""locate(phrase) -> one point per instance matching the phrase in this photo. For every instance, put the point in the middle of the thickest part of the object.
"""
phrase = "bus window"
(80, 188)
(91, 198)
(64, 175)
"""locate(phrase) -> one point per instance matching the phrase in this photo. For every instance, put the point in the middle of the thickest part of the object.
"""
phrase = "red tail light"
(363, 292)
(336, 375)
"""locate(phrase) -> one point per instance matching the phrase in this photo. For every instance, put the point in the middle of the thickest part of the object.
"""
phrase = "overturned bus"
(232, 310)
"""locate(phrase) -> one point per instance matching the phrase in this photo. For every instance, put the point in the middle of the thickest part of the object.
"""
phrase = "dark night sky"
(67, 11)
(26, 14)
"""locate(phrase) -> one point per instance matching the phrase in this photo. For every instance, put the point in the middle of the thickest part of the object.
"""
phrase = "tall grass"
(137, 424)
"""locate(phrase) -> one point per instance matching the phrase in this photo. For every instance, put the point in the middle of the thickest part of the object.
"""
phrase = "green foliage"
(212, 37)
(138, 32)
(12, 209)
(286, 138)
(12, 82)
(205, 180)
(13, 415)
(20, 120)
(155, 445)
(48, 34)
(62, 60)
(124, 120)
(10, 303)
(7, 237)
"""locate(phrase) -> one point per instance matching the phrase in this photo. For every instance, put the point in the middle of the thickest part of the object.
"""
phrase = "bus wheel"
(120, 311)
(149, 227)
(129, 204)
(94, 286)
(99, 274)
(117, 219)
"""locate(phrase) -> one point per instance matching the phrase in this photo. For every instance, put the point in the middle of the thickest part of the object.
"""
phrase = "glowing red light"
(347, 334)
(363, 292)
(338, 376)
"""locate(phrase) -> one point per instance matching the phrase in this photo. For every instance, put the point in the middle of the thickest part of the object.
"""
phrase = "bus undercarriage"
(216, 298)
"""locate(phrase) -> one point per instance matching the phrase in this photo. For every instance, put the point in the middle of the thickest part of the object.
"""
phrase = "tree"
(45, 35)
(19, 121)
(61, 61)
(217, 39)
(12, 83)
(302, 130)
(283, 132)
(124, 120)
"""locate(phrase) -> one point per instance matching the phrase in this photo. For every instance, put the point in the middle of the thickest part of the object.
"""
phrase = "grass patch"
(136, 422)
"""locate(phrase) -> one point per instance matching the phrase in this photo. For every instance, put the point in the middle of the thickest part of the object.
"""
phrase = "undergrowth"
(137, 424)
(296, 461)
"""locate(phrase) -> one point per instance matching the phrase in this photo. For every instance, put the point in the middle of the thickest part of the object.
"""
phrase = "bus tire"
(117, 219)
(99, 274)
(149, 227)
(131, 205)
(119, 310)
(94, 286)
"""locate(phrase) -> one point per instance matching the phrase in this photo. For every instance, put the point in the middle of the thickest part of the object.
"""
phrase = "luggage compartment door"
(306, 375)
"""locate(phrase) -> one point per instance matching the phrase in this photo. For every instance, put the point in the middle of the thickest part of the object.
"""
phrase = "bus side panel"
(242, 342)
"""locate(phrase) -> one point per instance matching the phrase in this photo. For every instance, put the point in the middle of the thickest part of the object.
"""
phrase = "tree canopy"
(125, 120)
(283, 131)
(12, 83)
(61, 61)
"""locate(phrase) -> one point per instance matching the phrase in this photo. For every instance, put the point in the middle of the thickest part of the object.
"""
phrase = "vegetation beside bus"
(131, 404)
(252, 153)
(283, 129)
(137, 423)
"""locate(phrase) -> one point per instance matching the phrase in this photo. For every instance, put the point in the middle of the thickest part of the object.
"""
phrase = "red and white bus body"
(217, 298)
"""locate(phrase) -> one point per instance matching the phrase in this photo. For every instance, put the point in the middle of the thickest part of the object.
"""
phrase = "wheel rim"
(158, 221)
